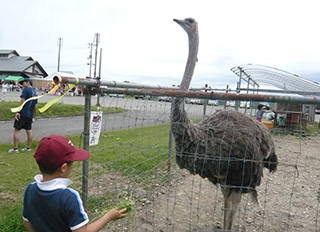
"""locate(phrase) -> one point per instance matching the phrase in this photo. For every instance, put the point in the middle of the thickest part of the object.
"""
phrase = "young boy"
(24, 118)
(48, 204)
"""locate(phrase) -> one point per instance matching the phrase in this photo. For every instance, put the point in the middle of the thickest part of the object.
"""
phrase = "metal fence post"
(170, 139)
(205, 102)
(86, 134)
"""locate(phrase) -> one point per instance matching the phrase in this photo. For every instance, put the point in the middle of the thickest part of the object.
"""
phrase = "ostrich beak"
(187, 24)
(178, 21)
(181, 23)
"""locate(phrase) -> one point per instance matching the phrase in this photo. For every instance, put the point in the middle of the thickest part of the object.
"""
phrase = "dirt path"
(288, 198)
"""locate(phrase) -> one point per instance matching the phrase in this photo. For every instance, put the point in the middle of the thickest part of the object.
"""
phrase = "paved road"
(138, 113)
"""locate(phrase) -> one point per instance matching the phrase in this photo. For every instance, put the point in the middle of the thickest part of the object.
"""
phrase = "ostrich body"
(228, 148)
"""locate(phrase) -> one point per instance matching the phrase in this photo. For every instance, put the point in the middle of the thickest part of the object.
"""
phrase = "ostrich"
(228, 148)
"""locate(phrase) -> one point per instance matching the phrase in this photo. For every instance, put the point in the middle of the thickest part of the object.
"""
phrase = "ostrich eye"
(189, 20)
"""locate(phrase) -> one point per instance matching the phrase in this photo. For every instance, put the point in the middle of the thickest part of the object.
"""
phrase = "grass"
(18, 170)
(139, 156)
(15, 173)
(313, 129)
(56, 110)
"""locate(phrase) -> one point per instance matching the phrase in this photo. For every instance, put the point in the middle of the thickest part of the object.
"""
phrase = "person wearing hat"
(24, 118)
(48, 203)
(260, 112)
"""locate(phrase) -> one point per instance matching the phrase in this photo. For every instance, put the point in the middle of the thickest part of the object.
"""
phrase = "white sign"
(95, 127)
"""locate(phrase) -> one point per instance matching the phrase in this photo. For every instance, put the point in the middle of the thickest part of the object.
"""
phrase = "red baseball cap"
(55, 150)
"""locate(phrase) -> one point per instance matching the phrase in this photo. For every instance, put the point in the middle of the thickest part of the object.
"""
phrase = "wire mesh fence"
(133, 162)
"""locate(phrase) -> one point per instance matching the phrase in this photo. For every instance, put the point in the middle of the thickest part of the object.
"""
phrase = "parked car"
(197, 101)
(213, 102)
(187, 101)
(231, 103)
(143, 97)
(165, 99)
(317, 109)
(245, 104)
(194, 101)
(116, 95)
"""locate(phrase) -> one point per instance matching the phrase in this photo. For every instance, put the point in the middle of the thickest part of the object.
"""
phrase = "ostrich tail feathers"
(271, 162)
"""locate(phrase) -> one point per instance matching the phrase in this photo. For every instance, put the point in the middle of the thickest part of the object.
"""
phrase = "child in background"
(48, 204)
(272, 115)
(260, 112)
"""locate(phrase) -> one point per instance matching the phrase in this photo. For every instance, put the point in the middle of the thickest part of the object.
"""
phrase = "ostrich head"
(190, 25)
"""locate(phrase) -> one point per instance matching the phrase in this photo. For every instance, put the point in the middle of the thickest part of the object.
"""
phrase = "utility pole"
(99, 76)
(60, 45)
(90, 58)
(96, 43)
(100, 63)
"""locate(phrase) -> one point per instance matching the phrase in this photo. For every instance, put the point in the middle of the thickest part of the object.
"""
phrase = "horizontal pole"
(224, 96)
(152, 90)
(68, 78)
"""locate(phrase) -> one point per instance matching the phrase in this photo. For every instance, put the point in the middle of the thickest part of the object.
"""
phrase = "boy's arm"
(17, 115)
(113, 214)
(21, 101)
(27, 226)
(34, 111)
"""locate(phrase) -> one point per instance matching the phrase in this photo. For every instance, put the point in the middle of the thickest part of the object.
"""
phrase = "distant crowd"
(75, 91)
(10, 86)
(16, 87)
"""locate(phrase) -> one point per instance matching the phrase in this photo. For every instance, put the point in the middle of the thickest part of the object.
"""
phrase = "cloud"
(139, 38)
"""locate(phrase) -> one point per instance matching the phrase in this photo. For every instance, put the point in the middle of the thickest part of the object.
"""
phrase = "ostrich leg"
(232, 199)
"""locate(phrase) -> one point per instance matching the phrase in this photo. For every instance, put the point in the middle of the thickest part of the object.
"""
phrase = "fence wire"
(131, 162)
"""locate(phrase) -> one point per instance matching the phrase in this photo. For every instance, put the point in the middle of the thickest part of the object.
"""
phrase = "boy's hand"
(17, 116)
(115, 214)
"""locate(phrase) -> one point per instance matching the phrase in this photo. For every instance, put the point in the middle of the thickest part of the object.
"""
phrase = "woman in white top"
(4, 89)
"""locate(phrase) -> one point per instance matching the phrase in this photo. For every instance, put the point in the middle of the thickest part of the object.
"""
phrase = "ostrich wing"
(228, 148)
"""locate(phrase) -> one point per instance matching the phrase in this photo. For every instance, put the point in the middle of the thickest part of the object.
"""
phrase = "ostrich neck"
(179, 115)
(191, 62)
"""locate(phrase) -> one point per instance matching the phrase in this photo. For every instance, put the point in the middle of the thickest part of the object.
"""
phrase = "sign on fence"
(95, 127)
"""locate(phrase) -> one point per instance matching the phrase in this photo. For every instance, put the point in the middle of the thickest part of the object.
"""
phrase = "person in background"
(260, 112)
(24, 118)
(4, 89)
(48, 203)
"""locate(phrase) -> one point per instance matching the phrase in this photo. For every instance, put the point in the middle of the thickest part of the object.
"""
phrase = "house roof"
(8, 52)
(16, 63)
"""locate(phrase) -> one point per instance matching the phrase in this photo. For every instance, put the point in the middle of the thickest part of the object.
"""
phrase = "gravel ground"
(289, 198)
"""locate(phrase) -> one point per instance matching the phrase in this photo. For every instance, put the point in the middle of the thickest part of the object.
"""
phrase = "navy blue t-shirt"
(27, 110)
(52, 206)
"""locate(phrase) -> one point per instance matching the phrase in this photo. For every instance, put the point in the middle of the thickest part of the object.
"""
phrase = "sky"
(141, 43)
